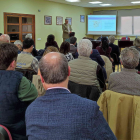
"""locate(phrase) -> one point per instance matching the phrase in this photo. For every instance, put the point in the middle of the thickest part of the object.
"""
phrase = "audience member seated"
(96, 57)
(73, 49)
(115, 53)
(34, 52)
(127, 81)
(16, 93)
(5, 38)
(60, 114)
(136, 44)
(19, 44)
(104, 49)
(51, 42)
(65, 49)
(50, 49)
(84, 70)
(25, 59)
(70, 35)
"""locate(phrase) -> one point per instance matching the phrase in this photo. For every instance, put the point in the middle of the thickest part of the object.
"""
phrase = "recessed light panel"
(95, 2)
(135, 2)
(72, 0)
(105, 4)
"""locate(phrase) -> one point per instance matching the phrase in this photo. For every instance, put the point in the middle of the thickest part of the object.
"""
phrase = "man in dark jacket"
(59, 114)
(16, 93)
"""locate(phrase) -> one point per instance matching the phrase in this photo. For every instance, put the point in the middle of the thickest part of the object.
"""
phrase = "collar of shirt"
(58, 88)
(26, 53)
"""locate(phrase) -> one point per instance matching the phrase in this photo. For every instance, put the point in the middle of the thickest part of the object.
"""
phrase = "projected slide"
(102, 24)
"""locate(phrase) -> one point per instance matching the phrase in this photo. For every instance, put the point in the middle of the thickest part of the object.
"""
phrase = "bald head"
(54, 68)
(5, 38)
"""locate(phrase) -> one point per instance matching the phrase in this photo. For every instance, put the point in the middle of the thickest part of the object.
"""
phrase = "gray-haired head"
(130, 58)
(73, 40)
(28, 36)
(54, 68)
(18, 42)
(136, 42)
(84, 47)
(111, 39)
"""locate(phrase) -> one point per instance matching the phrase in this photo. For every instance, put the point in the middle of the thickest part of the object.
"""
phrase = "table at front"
(124, 43)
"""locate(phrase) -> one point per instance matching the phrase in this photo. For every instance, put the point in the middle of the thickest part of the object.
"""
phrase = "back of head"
(111, 39)
(136, 42)
(50, 38)
(65, 47)
(130, 58)
(54, 68)
(50, 49)
(28, 36)
(27, 43)
(8, 53)
(73, 40)
(84, 47)
(72, 34)
(18, 42)
(104, 45)
(5, 38)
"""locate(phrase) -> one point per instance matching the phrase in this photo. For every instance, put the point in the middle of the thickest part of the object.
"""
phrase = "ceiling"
(85, 3)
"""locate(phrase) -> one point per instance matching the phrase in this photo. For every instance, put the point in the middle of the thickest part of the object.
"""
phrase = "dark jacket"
(61, 115)
(12, 110)
(115, 53)
(96, 57)
(54, 44)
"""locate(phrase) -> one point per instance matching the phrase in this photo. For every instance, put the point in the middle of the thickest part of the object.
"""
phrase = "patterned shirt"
(69, 57)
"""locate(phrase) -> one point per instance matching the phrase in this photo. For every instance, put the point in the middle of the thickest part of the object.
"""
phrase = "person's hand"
(111, 59)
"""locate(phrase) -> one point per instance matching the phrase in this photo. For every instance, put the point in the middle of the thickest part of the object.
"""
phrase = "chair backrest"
(4, 133)
(37, 82)
(107, 66)
(124, 38)
(86, 91)
(122, 112)
(28, 73)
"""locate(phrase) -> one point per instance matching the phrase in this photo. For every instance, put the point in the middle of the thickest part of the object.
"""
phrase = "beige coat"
(65, 30)
(122, 112)
(107, 66)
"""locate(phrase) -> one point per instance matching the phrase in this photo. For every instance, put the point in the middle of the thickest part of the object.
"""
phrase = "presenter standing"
(66, 27)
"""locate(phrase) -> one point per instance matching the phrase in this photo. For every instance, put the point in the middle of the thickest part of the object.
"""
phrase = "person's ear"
(91, 51)
(13, 64)
(42, 80)
(69, 70)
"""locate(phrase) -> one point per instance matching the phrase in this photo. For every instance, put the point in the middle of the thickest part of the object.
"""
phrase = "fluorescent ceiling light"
(105, 4)
(95, 2)
(72, 0)
(135, 2)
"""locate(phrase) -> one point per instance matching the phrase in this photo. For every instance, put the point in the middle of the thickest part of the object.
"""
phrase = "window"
(17, 26)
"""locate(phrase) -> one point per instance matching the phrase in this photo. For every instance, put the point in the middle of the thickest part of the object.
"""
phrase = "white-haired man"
(19, 44)
(127, 81)
(5, 38)
(84, 70)
(66, 27)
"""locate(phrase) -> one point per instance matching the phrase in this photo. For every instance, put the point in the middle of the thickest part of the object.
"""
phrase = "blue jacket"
(12, 110)
(61, 115)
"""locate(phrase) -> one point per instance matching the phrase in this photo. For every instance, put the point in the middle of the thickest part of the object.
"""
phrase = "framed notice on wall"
(69, 19)
(48, 20)
(82, 18)
(59, 20)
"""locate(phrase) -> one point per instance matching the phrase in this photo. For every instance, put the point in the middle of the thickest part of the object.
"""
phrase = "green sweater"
(27, 91)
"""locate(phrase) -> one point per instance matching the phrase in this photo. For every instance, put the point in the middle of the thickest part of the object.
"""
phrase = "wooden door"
(17, 26)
